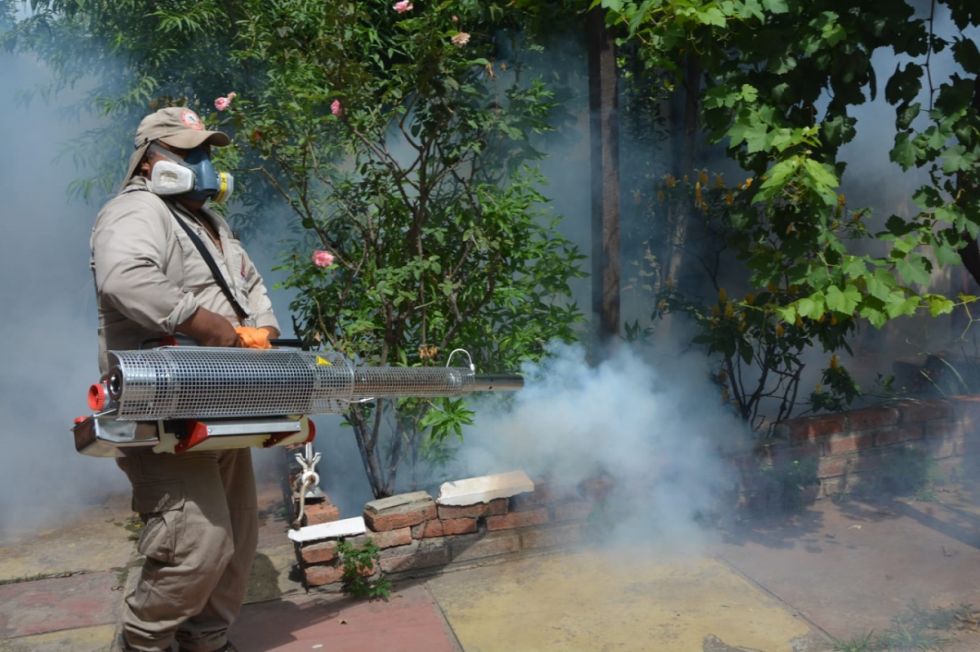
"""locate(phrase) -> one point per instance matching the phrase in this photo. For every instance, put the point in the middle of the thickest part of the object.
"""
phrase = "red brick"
(947, 427)
(419, 554)
(915, 411)
(453, 526)
(831, 487)
(544, 492)
(596, 488)
(967, 407)
(872, 417)
(320, 512)
(889, 436)
(517, 519)
(552, 537)
(942, 447)
(402, 510)
(782, 454)
(812, 428)
(848, 443)
(447, 527)
(829, 467)
(492, 508)
(469, 547)
(321, 575)
(318, 553)
(575, 510)
(390, 538)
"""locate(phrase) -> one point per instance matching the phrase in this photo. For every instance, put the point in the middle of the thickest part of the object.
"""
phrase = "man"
(153, 281)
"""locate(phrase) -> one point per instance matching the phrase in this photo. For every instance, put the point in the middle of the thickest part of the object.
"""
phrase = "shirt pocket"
(161, 506)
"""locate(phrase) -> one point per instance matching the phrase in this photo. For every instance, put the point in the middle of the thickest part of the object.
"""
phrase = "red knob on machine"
(97, 397)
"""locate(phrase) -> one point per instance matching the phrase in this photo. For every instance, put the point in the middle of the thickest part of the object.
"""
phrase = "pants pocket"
(161, 506)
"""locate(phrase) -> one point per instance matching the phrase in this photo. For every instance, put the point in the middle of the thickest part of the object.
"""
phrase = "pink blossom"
(322, 258)
(336, 108)
(223, 103)
(460, 39)
(402, 6)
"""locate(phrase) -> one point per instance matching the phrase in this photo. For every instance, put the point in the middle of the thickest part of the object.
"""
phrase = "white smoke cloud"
(48, 330)
(656, 428)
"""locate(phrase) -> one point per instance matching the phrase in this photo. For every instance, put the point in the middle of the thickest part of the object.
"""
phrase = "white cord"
(308, 478)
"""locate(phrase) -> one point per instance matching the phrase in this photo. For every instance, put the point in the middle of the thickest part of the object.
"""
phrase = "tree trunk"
(604, 155)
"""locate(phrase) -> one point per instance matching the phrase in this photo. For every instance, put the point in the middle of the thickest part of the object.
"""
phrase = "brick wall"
(420, 534)
(849, 444)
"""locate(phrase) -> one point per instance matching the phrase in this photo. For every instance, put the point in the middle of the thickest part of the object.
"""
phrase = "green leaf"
(939, 305)
(904, 152)
(776, 6)
(711, 16)
(904, 85)
(905, 114)
(966, 54)
(812, 306)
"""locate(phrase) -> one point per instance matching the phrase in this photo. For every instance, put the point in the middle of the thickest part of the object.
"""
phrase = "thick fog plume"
(655, 430)
(48, 330)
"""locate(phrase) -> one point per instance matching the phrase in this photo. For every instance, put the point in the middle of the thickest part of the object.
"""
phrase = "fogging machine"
(179, 398)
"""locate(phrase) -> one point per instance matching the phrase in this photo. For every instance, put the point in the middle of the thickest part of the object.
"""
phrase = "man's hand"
(209, 329)
(253, 338)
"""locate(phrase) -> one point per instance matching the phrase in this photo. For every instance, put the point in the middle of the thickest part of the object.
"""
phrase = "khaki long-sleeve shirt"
(150, 278)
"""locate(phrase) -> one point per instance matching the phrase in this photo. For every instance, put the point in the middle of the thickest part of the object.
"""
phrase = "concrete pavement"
(838, 571)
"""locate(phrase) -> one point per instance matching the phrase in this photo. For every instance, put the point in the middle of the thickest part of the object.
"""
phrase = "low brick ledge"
(847, 444)
(419, 536)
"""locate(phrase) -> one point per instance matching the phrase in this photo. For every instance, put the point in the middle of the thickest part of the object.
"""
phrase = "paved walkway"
(837, 571)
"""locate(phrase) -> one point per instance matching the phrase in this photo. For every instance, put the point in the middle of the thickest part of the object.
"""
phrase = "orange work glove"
(253, 338)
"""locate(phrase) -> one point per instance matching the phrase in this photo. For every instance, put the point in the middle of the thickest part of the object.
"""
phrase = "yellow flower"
(834, 362)
(780, 330)
(722, 295)
(729, 198)
(703, 177)
(670, 180)
(719, 181)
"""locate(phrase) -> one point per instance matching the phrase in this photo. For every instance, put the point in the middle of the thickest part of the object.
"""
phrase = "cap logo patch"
(190, 120)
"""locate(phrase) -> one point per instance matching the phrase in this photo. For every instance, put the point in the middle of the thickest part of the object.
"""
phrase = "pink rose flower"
(402, 6)
(461, 39)
(322, 258)
(223, 103)
(336, 108)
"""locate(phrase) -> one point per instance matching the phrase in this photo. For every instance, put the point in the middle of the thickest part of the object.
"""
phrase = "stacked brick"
(849, 444)
(419, 534)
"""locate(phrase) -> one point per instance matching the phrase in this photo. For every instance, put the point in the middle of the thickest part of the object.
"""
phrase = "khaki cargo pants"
(199, 540)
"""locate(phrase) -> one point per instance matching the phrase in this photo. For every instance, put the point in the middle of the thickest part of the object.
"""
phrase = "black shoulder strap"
(213, 266)
(206, 255)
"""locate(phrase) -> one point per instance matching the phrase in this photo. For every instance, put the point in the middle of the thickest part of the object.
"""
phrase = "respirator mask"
(193, 176)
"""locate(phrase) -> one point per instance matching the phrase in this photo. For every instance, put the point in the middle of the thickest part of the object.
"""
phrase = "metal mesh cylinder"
(203, 382)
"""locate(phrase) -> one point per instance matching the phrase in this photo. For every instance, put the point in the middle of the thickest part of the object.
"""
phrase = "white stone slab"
(485, 488)
(347, 527)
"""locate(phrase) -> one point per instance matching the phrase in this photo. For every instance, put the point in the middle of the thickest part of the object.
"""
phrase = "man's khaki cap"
(176, 126)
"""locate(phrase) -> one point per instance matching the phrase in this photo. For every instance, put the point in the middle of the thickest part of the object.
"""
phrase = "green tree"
(780, 77)
(401, 147)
